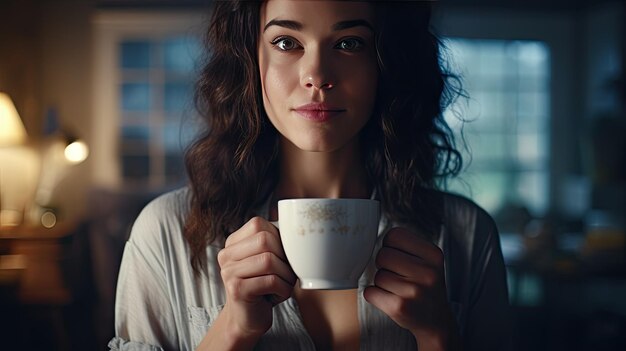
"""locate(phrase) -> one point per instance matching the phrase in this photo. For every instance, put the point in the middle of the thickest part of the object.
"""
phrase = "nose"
(322, 86)
(317, 71)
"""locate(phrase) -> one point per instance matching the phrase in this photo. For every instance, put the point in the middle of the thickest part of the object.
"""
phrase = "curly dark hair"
(408, 148)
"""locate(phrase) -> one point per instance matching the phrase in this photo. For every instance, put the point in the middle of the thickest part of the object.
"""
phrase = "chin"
(323, 141)
(316, 145)
(317, 148)
(324, 146)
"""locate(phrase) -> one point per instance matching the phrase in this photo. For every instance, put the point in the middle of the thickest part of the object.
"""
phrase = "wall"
(20, 55)
(604, 164)
(604, 57)
(66, 87)
(45, 63)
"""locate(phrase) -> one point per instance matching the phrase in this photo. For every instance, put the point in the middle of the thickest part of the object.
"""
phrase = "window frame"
(557, 30)
(507, 89)
(111, 27)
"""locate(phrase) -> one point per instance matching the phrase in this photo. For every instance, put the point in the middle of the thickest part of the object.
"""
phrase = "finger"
(253, 245)
(384, 300)
(252, 288)
(413, 244)
(397, 285)
(265, 263)
(253, 226)
(408, 266)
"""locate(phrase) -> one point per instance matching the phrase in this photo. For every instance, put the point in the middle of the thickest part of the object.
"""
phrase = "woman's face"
(318, 70)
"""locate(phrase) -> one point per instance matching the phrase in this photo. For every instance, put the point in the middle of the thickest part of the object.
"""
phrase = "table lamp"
(12, 131)
(61, 151)
(19, 165)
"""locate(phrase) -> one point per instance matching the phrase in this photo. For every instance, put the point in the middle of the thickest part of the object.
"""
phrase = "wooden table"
(32, 255)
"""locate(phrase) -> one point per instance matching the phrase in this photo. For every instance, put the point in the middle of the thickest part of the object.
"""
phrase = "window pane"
(172, 137)
(492, 114)
(492, 59)
(136, 96)
(533, 83)
(136, 167)
(487, 146)
(191, 126)
(135, 118)
(487, 188)
(135, 140)
(532, 123)
(531, 149)
(181, 54)
(174, 167)
(463, 57)
(532, 58)
(532, 104)
(156, 94)
(178, 96)
(509, 115)
(474, 107)
(178, 134)
(136, 133)
(532, 189)
(135, 54)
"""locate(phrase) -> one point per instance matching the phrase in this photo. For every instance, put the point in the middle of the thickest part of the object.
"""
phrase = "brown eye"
(350, 44)
(285, 44)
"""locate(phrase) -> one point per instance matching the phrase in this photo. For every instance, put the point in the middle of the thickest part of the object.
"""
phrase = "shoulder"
(459, 207)
(160, 224)
(464, 216)
(172, 205)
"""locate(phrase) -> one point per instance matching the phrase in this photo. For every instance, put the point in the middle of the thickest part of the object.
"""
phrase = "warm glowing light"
(12, 130)
(76, 152)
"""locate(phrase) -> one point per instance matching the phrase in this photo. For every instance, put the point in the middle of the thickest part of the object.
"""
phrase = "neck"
(337, 174)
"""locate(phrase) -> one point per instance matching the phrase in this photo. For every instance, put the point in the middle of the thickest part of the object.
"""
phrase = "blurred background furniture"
(112, 216)
(48, 287)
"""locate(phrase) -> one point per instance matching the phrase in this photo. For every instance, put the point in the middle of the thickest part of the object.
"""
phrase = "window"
(155, 90)
(508, 114)
(145, 65)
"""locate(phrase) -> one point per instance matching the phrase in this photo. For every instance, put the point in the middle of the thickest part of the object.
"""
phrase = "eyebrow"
(284, 23)
(353, 23)
(336, 27)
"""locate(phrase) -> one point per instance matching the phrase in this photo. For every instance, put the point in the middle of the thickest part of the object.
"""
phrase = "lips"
(318, 112)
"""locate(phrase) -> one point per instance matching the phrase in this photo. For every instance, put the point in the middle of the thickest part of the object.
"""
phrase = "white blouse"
(161, 305)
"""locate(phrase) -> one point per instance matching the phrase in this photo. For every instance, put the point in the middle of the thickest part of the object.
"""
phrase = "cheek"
(362, 82)
(367, 84)
(277, 78)
(276, 82)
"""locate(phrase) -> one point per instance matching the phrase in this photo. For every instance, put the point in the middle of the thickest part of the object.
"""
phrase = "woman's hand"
(256, 277)
(410, 288)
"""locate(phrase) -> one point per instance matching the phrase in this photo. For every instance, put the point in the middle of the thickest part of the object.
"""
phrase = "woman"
(315, 99)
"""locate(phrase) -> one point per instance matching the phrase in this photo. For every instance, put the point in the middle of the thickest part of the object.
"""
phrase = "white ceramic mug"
(328, 242)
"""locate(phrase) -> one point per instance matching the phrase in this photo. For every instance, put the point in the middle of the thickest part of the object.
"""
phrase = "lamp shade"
(12, 130)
